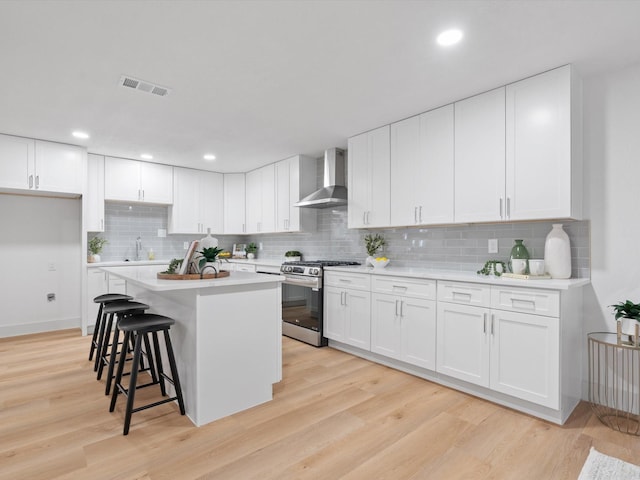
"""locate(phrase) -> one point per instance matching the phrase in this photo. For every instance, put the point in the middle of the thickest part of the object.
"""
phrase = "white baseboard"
(39, 327)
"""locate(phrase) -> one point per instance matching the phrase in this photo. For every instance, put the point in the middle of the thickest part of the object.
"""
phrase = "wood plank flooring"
(334, 416)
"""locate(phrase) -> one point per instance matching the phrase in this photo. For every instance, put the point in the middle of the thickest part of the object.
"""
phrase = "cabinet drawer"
(529, 300)
(358, 281)
(464, 293)
(409, 287)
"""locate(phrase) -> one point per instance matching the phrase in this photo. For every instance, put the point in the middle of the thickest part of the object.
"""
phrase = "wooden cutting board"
(193, 276)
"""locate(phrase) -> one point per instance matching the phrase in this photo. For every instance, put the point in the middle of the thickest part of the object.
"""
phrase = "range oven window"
(302, 306)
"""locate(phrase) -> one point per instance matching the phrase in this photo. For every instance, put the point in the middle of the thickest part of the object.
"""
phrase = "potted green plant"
(95, 247)
(373, 243)
(251, 250)
(628, 313)
(208, 257)
(293, 256)
(174, 265)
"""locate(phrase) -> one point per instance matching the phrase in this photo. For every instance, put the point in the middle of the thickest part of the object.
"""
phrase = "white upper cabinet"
(260, 206)
(134, 181)
(480, 158)
(422, 169)
(368, 177)
(543, 178)
(197, 202)
(39, 166)
(295, 178)
(94, 198)
(234, 203)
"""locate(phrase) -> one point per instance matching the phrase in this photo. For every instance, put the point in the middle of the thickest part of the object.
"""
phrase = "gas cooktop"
(322, 263)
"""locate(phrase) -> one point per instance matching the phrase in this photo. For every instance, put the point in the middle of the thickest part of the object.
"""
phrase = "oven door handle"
(301, 282)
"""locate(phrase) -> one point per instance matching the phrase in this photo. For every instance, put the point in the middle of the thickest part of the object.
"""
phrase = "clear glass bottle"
(519, 252)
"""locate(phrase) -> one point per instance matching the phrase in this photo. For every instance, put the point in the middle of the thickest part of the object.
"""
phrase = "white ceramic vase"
(370, 260)
(557, 253)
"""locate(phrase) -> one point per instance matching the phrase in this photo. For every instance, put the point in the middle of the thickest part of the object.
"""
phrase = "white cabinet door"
(254, 199)
(385, 325)
(156, 183)
(17, 157)
(480, 158)
(283, 181)
(334, 313)
(418, 340)
(59, 167)
(358, 319)
(268, 223)
(132, 181)
(211, 203)
(405, 159)
(525, 357)
(184, 214)
(234, 203)
(261, 198)
(121, 179)
(368, 179)
(539, 169)
(463, 343)
(433, 176)
(94, 201)
(96, 285)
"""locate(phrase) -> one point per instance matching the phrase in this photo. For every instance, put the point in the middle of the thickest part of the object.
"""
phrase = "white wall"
(39, 233)
(612, 194)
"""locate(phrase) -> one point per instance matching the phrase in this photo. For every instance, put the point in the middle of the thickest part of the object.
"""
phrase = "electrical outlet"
(162, 232)
(493, 245)
(185, 245)
(52, 267)
(51, 297)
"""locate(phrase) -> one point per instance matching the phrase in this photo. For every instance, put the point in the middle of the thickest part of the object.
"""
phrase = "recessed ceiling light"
(449, 37)
(209, 156)
(146, 156)
(79, 134)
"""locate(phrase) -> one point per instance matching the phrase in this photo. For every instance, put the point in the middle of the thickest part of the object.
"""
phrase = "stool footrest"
(155, 404)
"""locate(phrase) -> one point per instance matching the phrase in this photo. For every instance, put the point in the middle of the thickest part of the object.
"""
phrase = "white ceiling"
(257, 81)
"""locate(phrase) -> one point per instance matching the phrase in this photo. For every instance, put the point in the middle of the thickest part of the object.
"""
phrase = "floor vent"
(148, 87)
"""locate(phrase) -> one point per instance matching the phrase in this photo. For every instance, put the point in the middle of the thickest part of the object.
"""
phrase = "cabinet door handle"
(415, 214)
(143, 195)
(368, 212)
(402, 308)
(484, 329)
(37, 181)
(493, 317)
(501, 201)
(345, 299)
(396, 308)
(508, 208)
(243, 228)
(30, 181)
(420, 213)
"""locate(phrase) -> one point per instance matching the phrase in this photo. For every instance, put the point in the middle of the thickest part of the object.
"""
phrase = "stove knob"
(315, 271)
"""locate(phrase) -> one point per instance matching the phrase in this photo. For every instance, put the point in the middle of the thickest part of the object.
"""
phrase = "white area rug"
(603, 467)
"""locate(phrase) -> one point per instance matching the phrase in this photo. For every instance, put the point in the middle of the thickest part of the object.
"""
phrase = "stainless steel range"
(302, 299)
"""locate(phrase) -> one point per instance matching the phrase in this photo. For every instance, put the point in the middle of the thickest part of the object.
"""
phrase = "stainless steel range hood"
(334, 193)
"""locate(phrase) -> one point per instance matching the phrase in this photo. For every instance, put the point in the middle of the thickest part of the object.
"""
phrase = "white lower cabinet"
(507, 351)
(99, 283)
(347, 307)
(403, 324)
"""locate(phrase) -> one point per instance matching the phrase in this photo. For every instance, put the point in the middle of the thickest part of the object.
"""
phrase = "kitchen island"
(227, 336)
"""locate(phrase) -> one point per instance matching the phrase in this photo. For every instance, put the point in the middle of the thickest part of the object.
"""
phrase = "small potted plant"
(208, 258)
(95, 247)
(373, 243)
(293, 256)
(628, 313)
(251, 250)
(174, 265)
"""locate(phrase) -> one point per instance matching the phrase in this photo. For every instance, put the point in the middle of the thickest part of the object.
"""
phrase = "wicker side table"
(614, 381)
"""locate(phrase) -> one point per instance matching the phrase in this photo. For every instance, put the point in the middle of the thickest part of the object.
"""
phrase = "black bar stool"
(120, 310)
(98, 329)
(141, 326)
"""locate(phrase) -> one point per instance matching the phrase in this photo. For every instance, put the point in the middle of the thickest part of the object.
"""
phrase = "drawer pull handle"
(347, 280)
(461, 296)
(524, 303)
(401, 287)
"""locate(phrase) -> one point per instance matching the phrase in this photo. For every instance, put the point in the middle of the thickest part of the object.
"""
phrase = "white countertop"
(131, 263)
(145, 276)
(459, 276)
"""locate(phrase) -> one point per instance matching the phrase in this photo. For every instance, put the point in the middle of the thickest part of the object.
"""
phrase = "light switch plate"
(185, 245)
(493, 245)
(162, 232)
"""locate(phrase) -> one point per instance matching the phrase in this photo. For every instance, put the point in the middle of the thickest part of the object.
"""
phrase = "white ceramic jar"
(557, 253)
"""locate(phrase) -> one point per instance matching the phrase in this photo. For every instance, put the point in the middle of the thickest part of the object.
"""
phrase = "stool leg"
(131, 391)
(174, 370)
(96, 327)
(156, 347)
(105, 346)
(112, 358)
(118, 379)
(152, 367)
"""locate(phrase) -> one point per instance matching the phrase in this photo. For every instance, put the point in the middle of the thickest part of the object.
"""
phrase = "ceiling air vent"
(148, 87)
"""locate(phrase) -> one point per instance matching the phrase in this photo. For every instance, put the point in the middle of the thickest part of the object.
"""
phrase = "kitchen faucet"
(138, 247)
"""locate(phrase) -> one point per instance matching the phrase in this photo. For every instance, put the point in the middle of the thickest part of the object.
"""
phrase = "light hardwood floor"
(334, 416)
